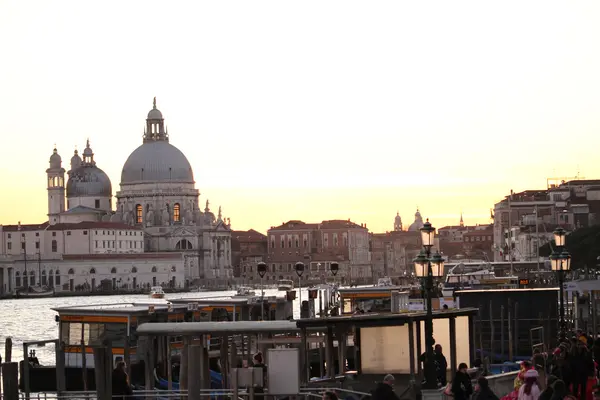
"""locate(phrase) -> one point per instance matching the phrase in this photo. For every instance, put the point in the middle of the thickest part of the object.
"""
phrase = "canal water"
(26, 320)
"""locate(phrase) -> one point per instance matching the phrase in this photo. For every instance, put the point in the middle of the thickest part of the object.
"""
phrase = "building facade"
(318, 245)
(249, 248)
(157, 211)
(526, 219)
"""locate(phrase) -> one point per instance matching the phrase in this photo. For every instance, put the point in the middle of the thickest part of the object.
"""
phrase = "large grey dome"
(88, 180)
(157, 161)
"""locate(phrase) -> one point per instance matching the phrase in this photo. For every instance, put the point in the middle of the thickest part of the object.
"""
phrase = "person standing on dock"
(441, 364)
(121, 389)
(385, 389)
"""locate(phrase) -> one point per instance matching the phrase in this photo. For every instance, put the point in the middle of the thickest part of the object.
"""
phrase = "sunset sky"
(307, 110)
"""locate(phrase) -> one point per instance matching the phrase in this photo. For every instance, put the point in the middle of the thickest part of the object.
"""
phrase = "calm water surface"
(33, 319)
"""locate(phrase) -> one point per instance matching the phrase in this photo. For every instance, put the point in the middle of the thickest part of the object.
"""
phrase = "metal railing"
(306, 392)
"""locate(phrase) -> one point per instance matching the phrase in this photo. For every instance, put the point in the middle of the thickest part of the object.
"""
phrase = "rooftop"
(216, 328)
(387, 319)
(124, 256)
(91, 225)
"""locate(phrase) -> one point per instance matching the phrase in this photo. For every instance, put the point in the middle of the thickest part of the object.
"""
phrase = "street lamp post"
(299, 267)
(261, 268)
(560, 261)
(426, 268)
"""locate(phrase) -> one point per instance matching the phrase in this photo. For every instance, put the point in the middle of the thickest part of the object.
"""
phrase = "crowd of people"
(568, 372)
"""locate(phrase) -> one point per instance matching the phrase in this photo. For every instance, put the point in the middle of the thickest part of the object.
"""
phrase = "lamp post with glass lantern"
(299, 268)
(426, 268)
(261, 268)
(560, 261)
(334, 268)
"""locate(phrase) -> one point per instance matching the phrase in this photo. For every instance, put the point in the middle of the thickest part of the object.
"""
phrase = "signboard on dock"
(283, 371)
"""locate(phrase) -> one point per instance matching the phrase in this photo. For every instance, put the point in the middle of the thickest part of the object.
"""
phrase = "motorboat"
(245, 291)
(385, 281)
(285, 285)
(480, 276)
(157, 292)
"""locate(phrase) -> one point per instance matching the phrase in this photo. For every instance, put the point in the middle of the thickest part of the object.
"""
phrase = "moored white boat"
(285, 285)
(156, 292)
(35, 291)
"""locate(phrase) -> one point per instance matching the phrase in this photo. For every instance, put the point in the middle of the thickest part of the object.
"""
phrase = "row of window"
(295, 241)
(110, 244)
(478, 238)
(71, 271)
(175, 215)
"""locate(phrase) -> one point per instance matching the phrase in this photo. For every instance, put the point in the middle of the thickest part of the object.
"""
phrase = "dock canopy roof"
(216, 328)
(387, 319)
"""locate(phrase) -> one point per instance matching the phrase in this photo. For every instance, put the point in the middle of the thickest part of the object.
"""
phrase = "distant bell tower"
(56, 188)
(398, 222)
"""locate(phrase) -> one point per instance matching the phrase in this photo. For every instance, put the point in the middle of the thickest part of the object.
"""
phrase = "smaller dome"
(88, 180)
(155, 114)
(88, 150)
(55, 159)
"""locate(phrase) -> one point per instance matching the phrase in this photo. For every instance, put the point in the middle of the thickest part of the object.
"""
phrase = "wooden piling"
(10, 380)
(510, 333)
(491, 332)
(8, 350)
(84, 365)
(502, 347)
(194, 383)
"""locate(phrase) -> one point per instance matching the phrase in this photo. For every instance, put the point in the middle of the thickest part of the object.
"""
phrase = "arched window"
(176, 213)
(113, 270)
(133, 270)
(153, 269)
(57, 277)
(54, 246)
(139, 217)
(71, 271)
(173, 269)
(17, 279)
(93, 271)
(183, 244)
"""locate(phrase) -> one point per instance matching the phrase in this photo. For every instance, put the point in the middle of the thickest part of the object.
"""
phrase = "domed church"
(157, 194)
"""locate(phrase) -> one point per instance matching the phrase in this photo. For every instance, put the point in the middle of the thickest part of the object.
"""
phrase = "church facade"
(152, 232)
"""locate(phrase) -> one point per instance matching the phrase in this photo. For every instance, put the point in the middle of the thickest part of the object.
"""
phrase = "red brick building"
(248, 248)
(318, 245)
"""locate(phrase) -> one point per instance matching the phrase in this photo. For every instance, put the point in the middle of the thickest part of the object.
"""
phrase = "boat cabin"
(373, 299)
(81, 327)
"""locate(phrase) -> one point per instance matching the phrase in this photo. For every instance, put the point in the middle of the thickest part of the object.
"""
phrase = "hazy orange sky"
(307, 110)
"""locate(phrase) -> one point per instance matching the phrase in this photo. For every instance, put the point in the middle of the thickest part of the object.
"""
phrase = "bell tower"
(56, 188)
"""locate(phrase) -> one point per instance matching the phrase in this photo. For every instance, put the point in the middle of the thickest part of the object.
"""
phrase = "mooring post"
(10, 380)
(26, 370)
(8, 350)
(60, 367)
(194, 381)
(100, 372)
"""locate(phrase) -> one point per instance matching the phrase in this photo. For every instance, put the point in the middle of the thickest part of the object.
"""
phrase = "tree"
(583, 244)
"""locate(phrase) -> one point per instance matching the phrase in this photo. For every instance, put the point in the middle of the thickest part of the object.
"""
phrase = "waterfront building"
(248, 249)
(524, 221)
(467, 242)
(392, 252)
(157, 232)
(318, 245)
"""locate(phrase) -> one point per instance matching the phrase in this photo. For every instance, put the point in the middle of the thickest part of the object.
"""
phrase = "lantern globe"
(560, 237)
(437, 265)
(334, 267)
(299, 268)
(427, 234)
(261, 268)
(421, 264)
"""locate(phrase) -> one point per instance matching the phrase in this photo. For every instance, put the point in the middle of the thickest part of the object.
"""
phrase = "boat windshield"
(379, 304)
